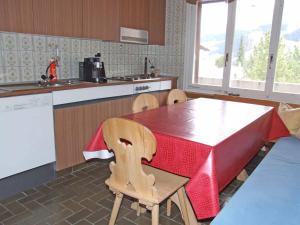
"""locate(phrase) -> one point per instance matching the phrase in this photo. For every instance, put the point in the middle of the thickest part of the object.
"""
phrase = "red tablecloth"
(209, 141)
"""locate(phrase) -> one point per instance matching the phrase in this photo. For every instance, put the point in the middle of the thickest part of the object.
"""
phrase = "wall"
(24, 57)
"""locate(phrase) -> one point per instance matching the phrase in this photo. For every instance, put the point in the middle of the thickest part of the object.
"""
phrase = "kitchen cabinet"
(58, 17)
(134, 14)
(157, 20)
(97, 19)
(16, 16)
(74, 126)
(101, 19)
(78, 112)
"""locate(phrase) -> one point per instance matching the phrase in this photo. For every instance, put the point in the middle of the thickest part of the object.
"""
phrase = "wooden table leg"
(190, 211)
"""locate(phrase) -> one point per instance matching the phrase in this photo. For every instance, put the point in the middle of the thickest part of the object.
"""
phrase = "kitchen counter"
(33, 88)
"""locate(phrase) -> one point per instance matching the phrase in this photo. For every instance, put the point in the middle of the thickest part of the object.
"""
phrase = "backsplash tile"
(13, 74)
(11, 58)
(10, 42)
(27, 73)
(24, 57)
(39, 43)
(2, 75)
(25, 42)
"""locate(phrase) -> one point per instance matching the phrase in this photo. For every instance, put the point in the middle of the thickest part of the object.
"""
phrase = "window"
(251, 43)
(249, 48)
(287, 73)
(211, 44)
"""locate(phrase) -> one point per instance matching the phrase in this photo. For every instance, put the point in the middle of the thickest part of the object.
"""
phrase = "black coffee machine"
(92, 70)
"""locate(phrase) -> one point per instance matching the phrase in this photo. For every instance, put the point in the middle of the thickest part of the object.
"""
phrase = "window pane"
(287, 77)
(251, 44)
(212, 44)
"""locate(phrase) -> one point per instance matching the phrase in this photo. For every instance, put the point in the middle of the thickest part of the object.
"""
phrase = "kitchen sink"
(31, 86)
(18, 87)
(53, 85)
(3, 91)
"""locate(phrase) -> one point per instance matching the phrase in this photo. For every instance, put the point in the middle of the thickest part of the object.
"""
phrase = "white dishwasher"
(26, 133)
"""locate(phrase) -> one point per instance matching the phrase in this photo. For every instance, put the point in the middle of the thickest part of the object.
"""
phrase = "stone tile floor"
(79, 196)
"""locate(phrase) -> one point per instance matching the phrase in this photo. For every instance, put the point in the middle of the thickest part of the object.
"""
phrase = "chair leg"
(169, 206)
(242, 176)
(116, 208)
(138, 211)
(183, 205)
(155, 215)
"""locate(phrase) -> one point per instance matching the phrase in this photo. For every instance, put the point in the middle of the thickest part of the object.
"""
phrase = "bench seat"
(271, 195)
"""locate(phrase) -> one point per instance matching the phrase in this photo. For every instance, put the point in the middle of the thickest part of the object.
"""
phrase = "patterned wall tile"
(51, 44)
(65, 71)
(2, 62)
(1, 41)
(75, 70)
(11, 58)
(13, 74)
(25, 42)
(40, 59)
(76, 45)
(2, 75)
(64, 44)
(39, 70)
(94, 47)
(85, 46)
(27, 73)
(10, 41)
(76, 58)
(39, 43)
(26, 58)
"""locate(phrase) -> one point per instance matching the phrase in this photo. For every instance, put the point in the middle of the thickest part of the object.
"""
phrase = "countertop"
(39, 90)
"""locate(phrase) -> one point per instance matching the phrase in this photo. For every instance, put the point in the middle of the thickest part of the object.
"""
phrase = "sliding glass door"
(287, 73)
(211, 43)
(251, 44)
(249, 48)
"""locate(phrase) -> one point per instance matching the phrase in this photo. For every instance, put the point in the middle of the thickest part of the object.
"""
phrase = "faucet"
(146, 67)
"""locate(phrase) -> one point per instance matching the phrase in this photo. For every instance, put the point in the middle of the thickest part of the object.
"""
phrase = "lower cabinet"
(76, 124)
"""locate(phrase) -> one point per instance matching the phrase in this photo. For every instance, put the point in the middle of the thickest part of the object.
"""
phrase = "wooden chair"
(176, 96)
(144, 102)
(130, 142)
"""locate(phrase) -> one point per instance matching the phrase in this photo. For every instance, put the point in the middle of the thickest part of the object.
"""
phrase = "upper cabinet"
(58, 17)
(101, 19)
(16, 16)
(157, 20)
(97, 19)
(134, 14)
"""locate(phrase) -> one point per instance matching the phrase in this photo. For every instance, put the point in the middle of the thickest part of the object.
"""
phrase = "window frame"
(268, 93)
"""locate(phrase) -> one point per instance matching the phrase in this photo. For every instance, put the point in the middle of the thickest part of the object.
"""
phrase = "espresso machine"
(92, 70)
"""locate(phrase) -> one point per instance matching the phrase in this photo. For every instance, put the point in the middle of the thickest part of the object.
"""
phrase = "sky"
(250, 15)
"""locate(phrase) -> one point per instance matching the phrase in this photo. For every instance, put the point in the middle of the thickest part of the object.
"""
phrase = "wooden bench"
(271, 195)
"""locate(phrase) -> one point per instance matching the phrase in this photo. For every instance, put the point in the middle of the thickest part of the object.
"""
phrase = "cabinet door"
(101, 19)
(43, 12)
(58, 17)
(75, 126)
(157, 20)
(68, 18)
(16, 16)
(134, 14)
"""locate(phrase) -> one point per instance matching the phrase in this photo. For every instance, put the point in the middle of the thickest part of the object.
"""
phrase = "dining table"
(207, 140)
